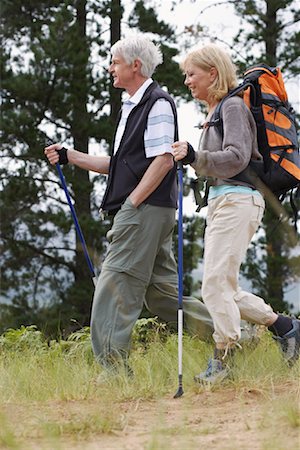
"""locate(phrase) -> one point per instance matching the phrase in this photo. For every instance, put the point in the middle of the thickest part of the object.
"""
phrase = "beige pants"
(232, 220)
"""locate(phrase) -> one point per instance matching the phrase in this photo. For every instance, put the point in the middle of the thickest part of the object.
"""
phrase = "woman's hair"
(141, 48)
(213, 56)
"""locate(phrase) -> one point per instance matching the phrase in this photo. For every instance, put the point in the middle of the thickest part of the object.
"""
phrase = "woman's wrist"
(190, 156)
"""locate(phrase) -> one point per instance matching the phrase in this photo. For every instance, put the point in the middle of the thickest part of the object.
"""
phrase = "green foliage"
(29, 338)
(268, 33)
(167, 74)
(193, 229)
(148, 330)
(145, 19)
(47, 96)
(269, 264)
(24, 338)
(60, 91)
(51, 87)
(273, 31)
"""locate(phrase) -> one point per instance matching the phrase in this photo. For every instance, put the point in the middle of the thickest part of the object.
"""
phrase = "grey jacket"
(224, 159)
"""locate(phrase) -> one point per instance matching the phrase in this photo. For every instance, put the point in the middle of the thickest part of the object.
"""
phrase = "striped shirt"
(159, 134)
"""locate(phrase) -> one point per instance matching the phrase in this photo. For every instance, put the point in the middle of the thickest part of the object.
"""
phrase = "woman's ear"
(213, 74)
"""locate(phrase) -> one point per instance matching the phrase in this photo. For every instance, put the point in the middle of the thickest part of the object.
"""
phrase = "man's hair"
(141, 48)
(213, 56)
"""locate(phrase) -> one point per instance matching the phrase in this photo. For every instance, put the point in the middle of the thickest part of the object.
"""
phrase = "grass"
(49, 391)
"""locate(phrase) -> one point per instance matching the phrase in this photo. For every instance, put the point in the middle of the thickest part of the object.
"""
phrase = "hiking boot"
(110, 375)
(107, 377)
(250, 334)
(290, 343)
(215, 373)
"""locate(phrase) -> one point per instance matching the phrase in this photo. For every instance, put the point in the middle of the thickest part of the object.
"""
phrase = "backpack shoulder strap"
(217, 121)
(216, 117)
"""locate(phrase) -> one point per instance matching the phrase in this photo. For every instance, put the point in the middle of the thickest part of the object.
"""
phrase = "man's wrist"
(63, 156)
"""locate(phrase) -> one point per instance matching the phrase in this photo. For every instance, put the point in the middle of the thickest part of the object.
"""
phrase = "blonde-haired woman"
(235, 210)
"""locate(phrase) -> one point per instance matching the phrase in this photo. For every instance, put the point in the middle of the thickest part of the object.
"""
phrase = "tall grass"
(32, 369)
(39, 375)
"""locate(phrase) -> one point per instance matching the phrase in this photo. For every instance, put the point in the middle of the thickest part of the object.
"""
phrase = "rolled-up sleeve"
(159, 134)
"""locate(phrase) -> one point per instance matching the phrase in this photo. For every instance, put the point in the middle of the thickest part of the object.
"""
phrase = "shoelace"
(230, 345)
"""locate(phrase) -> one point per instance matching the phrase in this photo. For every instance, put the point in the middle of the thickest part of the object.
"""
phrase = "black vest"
(129, 164)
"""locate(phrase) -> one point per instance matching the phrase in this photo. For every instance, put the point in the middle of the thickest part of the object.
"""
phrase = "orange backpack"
(265, 95)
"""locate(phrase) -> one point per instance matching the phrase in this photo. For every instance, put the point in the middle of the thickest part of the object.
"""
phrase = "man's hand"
(52, 153)
(152, 178)
(56, 153)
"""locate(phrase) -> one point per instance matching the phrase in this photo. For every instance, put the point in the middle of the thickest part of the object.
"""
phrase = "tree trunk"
(274, 242)
(271, 31)
(116, 13)
(82, 188)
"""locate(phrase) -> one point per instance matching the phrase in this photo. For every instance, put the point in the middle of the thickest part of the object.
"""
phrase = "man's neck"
(136, 86)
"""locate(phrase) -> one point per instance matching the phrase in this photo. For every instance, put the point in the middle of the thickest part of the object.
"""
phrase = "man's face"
(121, 72)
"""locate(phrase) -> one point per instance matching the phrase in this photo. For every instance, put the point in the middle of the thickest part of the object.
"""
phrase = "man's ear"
(137, 65)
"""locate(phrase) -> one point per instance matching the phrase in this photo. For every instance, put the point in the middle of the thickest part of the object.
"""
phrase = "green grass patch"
(51, 390)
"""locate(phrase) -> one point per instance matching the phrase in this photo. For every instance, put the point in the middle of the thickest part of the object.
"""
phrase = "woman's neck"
(212, 106)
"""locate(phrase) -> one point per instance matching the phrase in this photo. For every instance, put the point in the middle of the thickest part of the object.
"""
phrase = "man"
(141, 196)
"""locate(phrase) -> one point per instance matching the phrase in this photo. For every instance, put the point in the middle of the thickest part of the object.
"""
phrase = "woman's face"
(199, 80)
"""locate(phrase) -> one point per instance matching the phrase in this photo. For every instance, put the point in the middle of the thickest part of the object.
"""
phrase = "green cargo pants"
(139, 269)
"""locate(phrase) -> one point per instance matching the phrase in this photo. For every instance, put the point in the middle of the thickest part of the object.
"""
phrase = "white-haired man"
(141, 196)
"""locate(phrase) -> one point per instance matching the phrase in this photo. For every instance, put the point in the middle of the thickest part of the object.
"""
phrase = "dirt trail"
(220, 420)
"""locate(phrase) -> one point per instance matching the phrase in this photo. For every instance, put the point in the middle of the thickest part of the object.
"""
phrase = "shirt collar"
(137, 96)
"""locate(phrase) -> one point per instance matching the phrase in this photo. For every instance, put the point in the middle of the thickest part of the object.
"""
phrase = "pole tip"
(179, 392)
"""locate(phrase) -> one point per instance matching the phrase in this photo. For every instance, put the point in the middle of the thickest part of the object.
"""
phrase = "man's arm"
(158, 138)
(98, 164)
(152, 178)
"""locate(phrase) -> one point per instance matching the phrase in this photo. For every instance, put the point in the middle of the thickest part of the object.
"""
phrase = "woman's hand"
(180, 150)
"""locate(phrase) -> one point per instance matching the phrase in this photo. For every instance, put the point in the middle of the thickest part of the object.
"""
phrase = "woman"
(235, 210)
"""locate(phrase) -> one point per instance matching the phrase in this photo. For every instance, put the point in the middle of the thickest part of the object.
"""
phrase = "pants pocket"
(259, 204)
(123, 237)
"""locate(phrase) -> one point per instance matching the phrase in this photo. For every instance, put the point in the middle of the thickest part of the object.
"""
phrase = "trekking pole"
(77, 225)
(180, 279)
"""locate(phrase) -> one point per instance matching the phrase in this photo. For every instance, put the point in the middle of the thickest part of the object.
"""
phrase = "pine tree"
(268, 33)
(45, 95)
(274, 28)
(56, 86)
